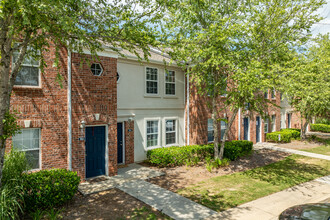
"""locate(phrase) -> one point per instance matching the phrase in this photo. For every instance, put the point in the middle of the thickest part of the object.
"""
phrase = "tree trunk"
(215, 128)
(223, 141)
(304, 128)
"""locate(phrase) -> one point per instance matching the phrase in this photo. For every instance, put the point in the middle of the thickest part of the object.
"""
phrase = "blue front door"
(258, 129)
(120, 144)
(246, 128)
(95, 151)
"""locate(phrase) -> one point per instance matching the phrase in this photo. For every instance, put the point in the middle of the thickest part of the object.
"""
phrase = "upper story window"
(273, 93)
(152, 133)
(170, 130)
(210, 130)
(151, 81)
(29, 142)
(96, 69)
(266, 95)
(29, 73)
(170, 82)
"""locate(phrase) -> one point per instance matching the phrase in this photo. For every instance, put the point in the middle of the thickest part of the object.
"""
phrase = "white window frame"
(170, 83)
(226, 124)
(102, 70)
(176, 131)
(273, 123)
(145, 82)
(249, 128)
(28, 65)
(266, 122)
(267, 95)
(146, 134)
(40, 163)
(210, 130)
(273, 91)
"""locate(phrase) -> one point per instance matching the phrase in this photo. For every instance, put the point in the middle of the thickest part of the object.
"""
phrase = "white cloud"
(323, 26)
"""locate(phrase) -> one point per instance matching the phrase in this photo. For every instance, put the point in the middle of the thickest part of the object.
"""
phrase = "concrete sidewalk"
(273, 146)
(270, 207)
(169, 203)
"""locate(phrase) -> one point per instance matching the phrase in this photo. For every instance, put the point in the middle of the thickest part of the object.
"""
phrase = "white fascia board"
(105, 53)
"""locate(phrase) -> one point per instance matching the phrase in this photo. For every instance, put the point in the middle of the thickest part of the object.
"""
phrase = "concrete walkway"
(270, 207)
(169, 203)
(273, 146)
(131, 180)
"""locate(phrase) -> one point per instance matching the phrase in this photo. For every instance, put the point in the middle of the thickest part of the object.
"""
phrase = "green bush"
(11, 192)
(320, 127)
(49, 188)
(322, 121)
(188, 155)
(286, 134)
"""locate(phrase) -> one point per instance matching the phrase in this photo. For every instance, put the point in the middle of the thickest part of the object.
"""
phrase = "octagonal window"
(96, 69)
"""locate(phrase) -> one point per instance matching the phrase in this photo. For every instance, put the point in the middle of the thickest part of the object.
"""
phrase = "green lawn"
(223, 192)
(320, 150)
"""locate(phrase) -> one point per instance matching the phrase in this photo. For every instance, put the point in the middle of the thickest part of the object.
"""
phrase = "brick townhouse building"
(112, 110)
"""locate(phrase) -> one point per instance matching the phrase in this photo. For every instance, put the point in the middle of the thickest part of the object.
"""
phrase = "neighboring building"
(112, 111)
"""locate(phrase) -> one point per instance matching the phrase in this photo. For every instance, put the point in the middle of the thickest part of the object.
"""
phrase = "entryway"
(258, 125)
(120, 143)
(95, 151)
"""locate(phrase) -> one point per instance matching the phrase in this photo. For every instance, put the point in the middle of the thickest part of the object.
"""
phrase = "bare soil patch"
(299, 145)
(111, 204)
(180, 177)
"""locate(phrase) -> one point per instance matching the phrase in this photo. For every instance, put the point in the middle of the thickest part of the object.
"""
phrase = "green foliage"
(235, 149)
(177, 156)
(320, 127)
(191, 155)
(283, 136)
(10, 126)
(37, 215)
(11, 193)
(49, 188)
(322, 121)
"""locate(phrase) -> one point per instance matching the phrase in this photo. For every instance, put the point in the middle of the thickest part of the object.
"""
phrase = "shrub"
(191, 155)
(235, 149)
(11, 193)
(286, 135)
(49, 188)
(295, 132)
(320, 127)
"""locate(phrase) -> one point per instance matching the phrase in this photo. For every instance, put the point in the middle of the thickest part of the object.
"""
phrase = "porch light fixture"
(97, 117)
(130, 119)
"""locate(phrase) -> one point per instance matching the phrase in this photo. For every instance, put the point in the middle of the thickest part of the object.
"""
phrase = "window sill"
(152, 96)
(28, 87)
(170, 97)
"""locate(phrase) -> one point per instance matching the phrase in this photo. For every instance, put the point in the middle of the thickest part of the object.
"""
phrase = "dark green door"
(95, 151)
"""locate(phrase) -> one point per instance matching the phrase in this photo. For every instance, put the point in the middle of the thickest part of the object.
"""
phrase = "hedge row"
(283, 136)
(49, 188)
(320, 127)
(177, 156)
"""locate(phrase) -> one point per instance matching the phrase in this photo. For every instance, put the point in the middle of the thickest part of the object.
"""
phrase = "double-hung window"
(170, 82)
(273, 93)
(29, 142)
(152, 133)
(273, 124)
(210, 130)
(151, 81)
(266, 95)
(29, 74)
(266, 122)
(223, 128)
(170, 130)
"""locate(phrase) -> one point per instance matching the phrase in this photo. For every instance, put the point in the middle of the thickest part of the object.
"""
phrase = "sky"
(323, 26)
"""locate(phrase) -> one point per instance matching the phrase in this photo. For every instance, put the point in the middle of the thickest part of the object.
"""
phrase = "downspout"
(188, 103)
(239, 124)
(69, 112)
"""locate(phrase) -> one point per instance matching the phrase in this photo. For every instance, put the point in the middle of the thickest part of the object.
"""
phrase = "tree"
(238, 46)
(308, 88)
(28, 27)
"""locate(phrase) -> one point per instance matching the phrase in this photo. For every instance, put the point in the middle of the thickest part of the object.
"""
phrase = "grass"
(145, 213)
(224, 192)
(319, 150)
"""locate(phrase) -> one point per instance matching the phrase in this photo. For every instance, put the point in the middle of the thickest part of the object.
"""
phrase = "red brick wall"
(129, 142)
(200, 113)
(46, 107)
(93, 95)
